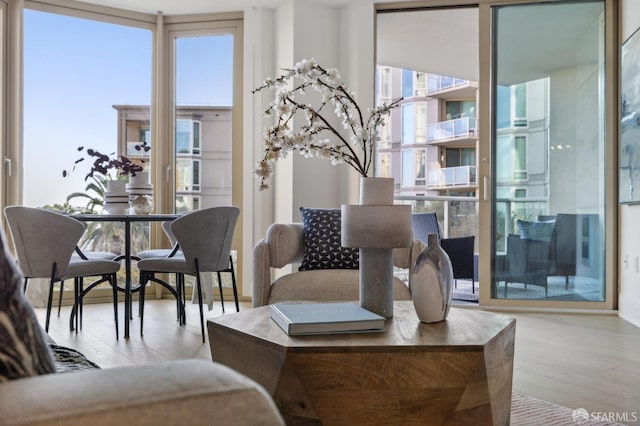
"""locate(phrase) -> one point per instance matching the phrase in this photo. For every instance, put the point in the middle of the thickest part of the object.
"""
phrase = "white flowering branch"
(310, 139)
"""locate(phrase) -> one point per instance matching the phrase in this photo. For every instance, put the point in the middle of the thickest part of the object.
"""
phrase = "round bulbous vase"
(142, 204)
(140, 193)
(431, 282)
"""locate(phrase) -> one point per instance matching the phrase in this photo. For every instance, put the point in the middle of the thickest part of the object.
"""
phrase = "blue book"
(325, 318)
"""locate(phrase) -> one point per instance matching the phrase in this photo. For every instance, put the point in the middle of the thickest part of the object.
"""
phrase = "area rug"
(529, 411)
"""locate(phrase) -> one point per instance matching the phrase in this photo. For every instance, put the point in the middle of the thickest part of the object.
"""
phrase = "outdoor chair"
(45, 242)
(527, 262)
(204, 239)
(459, 249)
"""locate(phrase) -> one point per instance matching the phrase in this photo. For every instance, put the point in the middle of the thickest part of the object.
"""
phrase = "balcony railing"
(437, 83)
(452, 129)
(452, 176)
(457, 216)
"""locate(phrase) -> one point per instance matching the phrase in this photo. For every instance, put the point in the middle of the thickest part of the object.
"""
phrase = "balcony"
(440, 86)
(462, 131)
(459, 178)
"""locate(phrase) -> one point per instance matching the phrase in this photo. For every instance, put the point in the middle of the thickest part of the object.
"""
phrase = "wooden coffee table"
(455, 372)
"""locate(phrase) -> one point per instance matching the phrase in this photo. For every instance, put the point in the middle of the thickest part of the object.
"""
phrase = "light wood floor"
(579, 361)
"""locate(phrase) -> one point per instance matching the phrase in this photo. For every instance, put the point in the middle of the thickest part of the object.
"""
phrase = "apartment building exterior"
(430, 145)
(203, 151)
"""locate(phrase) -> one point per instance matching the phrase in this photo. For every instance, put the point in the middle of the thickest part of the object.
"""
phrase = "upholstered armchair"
(283, 245)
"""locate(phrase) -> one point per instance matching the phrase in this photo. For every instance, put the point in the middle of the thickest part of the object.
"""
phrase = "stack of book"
(325, 318)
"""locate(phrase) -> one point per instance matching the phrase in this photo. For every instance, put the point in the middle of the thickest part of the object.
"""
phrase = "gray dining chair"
(204, 238)
(45, 244)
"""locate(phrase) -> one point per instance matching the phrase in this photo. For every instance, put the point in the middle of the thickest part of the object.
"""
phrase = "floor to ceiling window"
(549, 144)
(90, 81)
(203, 81)
(203, 136)
(77, 72)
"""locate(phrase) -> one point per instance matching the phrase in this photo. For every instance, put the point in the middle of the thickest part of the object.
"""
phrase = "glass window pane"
(407, 83)
(204, 71)
(407, 168)
(183, 136)
(408, 124)
(549, 148)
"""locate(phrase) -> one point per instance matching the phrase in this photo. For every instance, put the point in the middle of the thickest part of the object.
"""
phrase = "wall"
(629, 216)
(340, 37)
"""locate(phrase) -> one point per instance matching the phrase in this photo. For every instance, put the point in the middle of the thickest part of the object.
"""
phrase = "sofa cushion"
(322, 241)
(539, 231)
(23, 348)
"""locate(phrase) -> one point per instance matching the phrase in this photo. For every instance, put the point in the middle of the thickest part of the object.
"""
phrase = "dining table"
(127, 220)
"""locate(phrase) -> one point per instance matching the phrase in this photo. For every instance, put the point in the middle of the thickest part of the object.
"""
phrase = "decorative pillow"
(23, 348)
(321, 236)
(540, 231)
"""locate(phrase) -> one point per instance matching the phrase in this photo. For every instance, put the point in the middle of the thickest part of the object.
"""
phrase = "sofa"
(284, 245)
(183, 392)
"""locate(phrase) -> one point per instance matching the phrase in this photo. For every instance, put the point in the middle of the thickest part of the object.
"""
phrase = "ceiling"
(445, 41)
(188, 7)
(440, 41)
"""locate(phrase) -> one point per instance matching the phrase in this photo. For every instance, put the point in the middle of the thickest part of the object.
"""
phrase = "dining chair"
(204, 238)
(45, 244)
(175, 250)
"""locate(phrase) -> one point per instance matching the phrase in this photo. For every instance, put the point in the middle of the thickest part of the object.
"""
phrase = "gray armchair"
(283, 246)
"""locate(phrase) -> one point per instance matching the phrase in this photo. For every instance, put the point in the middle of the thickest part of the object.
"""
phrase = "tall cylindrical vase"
(431, 282)
(376, 227)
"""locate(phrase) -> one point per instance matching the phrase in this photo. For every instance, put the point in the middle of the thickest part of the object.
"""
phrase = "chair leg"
(113, 280)
(200, 299)
(143, 284)
(50, 298)
(178, 300)
(80, 304)
(60, 297)
(220, 288)
(183, 300)
(233, 283)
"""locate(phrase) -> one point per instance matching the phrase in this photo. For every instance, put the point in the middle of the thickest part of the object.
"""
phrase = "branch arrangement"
(353, 145)
(103, 163)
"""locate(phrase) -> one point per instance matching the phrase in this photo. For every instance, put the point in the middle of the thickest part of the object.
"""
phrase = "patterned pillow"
(23, 348)
(540, 231)
(321, 236)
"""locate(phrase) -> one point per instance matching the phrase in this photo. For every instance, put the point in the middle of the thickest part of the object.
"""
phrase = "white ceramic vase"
(431, 282)
(116, 198)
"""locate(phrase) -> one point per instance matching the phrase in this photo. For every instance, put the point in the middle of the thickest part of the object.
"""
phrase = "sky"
(75, 70)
